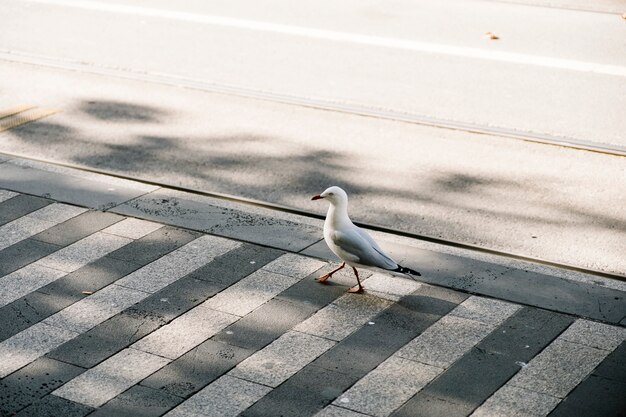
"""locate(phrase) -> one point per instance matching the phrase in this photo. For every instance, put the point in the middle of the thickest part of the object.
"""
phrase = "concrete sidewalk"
(121, 298)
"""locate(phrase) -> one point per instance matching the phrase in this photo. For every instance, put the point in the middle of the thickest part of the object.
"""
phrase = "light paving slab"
(334, 411)
(6, 194)
(296, 266)
(36, 222)
(226, 397)
(343, 316)
(93, 310)
(282, 358)
(178, 263)
(559, 368)
(387, 387)
(445, 341)
(511, 401)
(594, 334)
(391, 287)
(456, 333)
(23, 281)
(185, 332)
(115, 375)
(83, 252)
(249, 293)
(28, 345)
(133, 228)
(485, 310)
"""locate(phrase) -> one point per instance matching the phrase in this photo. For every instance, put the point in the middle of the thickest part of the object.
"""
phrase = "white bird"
(350, 243)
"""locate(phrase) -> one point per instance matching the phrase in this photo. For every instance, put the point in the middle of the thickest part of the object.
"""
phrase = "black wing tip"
(405, 270)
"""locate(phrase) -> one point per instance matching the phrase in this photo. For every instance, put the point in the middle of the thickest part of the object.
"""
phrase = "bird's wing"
(362, 246)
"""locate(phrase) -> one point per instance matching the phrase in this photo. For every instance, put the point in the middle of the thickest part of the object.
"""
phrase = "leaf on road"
(490, 35)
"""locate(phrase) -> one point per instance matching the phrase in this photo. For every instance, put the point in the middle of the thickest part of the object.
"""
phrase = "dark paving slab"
(154, 245)
(19, 206)
(138, 401)
(125, 328)
(596, 396)
(65, 188)
(515, 285)
(270, 231)
(613, 367)
(197, 368)
(485, 368)
(63, 292)
(53, 406)
(78, 227)
(23, 253)
(320, 382)
(32, 382)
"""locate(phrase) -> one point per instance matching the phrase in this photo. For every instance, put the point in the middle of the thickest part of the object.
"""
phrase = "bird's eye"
(331, 194)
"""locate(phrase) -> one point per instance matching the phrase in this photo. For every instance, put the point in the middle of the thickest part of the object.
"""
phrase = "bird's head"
(334, 195)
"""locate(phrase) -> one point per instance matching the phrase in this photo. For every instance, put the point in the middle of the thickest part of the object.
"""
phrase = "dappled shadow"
(450, 203)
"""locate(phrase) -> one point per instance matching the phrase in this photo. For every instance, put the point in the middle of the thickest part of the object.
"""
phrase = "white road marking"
(355, 38)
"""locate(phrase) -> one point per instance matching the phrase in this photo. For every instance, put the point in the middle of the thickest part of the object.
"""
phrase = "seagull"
(350, 243)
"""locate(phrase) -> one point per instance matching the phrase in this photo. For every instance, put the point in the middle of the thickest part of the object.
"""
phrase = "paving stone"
(6, 194)
(185, 332)
(138, 401)
(57, 212)
(424, 405)
(387, 387)
(343, 316)
(304, 394)
(491, 363)
(596, 396)
(83, 252)
(485, 310)
(391, 287)
(61, 293)
(28, 345)
(110, 378)
(445, 341)
(241, 224)
(296, 266)
(249, 293)
(614, 366)
(177, 264)
(559, 368)
(366, 348)
(227, 396)
(20, 229)
(23, 253)
(75, 189)
(106, 339)
(282, 358)
(19, 206)
(154, 245)
(32, 382)
(95, 309)
(265, 324)
(333, 411)
(133, 228)
(53, 406)
(594, 334)
(26, 280)
(513, 401)
(197, 368)
(78, 227)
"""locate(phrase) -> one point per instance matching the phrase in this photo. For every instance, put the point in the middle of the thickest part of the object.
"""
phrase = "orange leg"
(330, 274)
(358, 288)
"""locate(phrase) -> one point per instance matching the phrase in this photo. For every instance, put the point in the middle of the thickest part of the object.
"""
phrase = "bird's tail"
(404, 270)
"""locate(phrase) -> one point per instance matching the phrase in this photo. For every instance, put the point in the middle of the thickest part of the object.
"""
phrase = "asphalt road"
(555, 70)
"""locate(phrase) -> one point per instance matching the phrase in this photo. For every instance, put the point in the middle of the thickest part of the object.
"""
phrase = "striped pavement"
(103, 314)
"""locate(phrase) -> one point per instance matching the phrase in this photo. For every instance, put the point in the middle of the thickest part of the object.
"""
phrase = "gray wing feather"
(361, 245)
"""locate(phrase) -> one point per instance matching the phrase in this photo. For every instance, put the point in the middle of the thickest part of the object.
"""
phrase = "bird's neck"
(338, 215)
